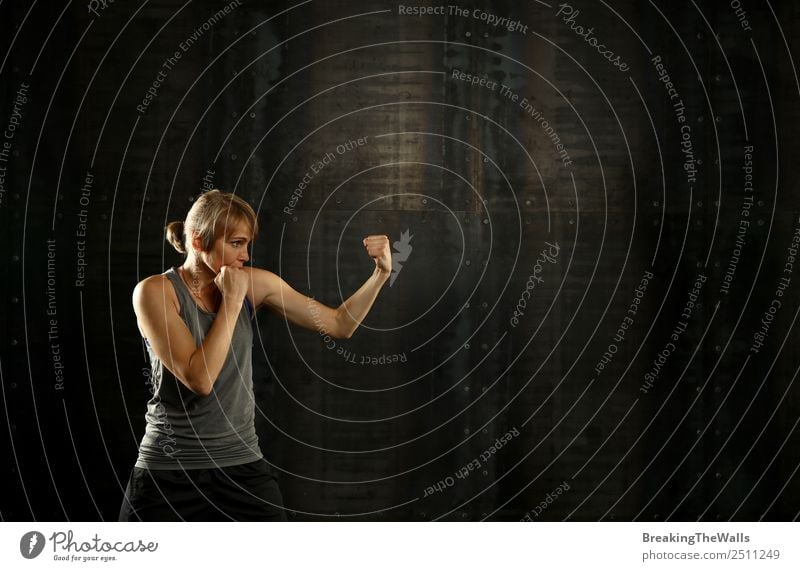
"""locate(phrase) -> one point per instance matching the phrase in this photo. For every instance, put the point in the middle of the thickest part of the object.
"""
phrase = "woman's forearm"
(206, 362)
(352, 312)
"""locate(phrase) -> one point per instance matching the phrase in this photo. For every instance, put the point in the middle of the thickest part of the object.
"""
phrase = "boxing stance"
(199, 458)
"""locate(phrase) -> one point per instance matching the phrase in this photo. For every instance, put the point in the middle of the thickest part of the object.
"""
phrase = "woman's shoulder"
(153, 282)
(154, 289)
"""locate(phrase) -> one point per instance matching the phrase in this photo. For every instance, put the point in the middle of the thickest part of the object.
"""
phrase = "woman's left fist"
(379, 250)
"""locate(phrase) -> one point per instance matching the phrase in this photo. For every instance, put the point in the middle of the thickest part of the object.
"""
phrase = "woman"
(199, 458)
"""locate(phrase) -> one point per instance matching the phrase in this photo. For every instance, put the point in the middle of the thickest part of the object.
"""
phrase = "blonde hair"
(212, 215)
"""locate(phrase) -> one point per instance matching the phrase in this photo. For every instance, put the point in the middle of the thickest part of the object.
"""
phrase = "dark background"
(268, 90)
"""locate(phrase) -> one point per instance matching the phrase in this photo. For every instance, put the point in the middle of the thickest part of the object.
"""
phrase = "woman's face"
(230, 249)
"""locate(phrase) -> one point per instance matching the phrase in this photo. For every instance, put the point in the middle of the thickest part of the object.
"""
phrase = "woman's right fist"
(232, 283)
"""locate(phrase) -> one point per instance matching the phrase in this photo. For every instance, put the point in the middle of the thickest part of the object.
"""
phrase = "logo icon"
(31, 544)
(402, 252)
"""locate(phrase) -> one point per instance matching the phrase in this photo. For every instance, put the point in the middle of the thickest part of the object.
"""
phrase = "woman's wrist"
(231, 303)
(381, 274)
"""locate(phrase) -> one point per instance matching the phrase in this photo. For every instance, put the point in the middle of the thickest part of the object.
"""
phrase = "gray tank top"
(185, 430)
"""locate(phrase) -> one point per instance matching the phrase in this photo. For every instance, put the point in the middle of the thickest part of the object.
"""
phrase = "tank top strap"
(185, 298)
(249, 307)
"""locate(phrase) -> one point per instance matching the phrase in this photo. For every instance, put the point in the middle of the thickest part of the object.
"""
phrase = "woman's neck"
(197, 275)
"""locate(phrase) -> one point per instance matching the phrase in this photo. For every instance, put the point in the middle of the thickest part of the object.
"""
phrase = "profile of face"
(230, 249)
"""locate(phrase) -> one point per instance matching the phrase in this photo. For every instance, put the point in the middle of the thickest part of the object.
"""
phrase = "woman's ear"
(197, 242)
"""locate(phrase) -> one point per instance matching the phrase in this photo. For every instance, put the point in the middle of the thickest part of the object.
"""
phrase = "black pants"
(247, 492)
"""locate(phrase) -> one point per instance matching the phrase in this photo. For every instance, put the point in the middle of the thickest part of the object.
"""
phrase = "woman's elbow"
(344, 330)
(200, 387)
(202, 390)
(339, 327)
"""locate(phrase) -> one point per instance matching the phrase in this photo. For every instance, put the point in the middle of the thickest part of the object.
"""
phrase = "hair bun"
(175, 236)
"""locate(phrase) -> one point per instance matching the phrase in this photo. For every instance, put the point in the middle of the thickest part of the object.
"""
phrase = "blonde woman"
(199, 458)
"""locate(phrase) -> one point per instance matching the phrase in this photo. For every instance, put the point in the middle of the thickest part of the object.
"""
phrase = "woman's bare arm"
(271, 290)
(197, 367)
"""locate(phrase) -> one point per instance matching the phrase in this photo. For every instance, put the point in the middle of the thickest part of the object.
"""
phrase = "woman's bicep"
(297, 308)
(162, 326)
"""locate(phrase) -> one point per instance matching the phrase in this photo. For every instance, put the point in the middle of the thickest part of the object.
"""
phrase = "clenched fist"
(379, 250)
(232, 282)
